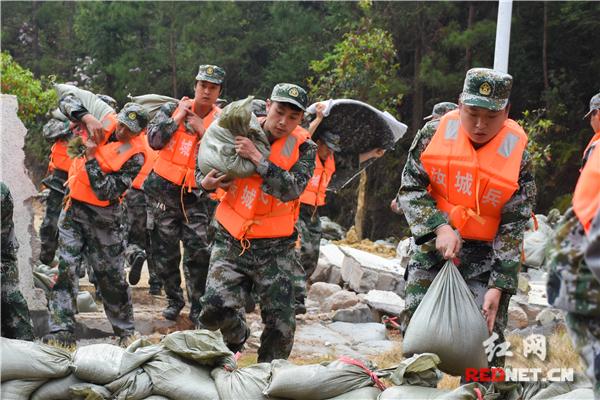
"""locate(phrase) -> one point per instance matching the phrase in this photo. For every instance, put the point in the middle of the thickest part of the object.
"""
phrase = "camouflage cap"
(332, 140)
(259, 107)
(134, 116)
(211, 73)
(486, 88)
(594, 105)
(440, 109)
(290, 93)
(108, 100)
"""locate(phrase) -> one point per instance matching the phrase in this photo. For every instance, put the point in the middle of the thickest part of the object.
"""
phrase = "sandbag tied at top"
(217, 147)
(201, 346)
(243, 383)
(28, 360)
(448, 322)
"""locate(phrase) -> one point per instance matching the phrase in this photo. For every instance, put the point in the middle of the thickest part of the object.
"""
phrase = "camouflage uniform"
(483, 265)
(309, 227)
(96, 234)
(440, 109)
(270, 265)
(54, 130)
(16, 322)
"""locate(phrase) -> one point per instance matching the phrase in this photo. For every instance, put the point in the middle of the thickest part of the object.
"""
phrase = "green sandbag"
(217, 147)
(102, 363)
(85, 302)
(180, 379)
(202, 346)
(135, 385)
(315, 382)
(420, 370)
(243, 383)
(156, 397)
(90, 101)
(56, 389)
(405, 392)
(577, 394)
(19, 389)
(449, 323)
(89, 391)
(368, 393)
(28, 360)
(152, 102)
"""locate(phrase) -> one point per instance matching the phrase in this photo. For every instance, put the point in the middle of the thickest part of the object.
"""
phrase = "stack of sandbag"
(419, 370)
(90, 101)
(243, 383)
(217, 147)
(44, 277)
(470, 391)
(152, 102)
(448, 322)
(535, 238)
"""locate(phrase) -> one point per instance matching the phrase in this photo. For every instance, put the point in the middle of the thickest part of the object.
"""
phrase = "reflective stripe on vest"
(470, 185)
(586, 199)
(150, 156)
(315, 192)
(59, 159)
(246, 212)
(176, 162)
(111, 157)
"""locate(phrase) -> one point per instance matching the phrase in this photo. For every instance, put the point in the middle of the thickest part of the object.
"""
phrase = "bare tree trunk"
(36, 38)
(417, 110)
(361, 205)
(173, 55)
(545, 48)
(468, 54)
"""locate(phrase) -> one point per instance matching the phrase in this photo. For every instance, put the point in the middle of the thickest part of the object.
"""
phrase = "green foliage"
(536, 126)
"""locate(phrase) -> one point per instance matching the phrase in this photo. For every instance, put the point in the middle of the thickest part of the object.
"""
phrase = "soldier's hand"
(94, 128)
(90, 151)
(447, 242)
(491, 302)
(195, 122)
(245, 148)
(320, 108)
(184, 106)
(215, 179)
(394, 207)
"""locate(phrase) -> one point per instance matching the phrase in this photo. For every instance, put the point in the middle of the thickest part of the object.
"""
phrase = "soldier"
(574, 265)
(594, 115)
(16, 322)
(467, 193)
(255, 236)
(90, 224)
(178, 210)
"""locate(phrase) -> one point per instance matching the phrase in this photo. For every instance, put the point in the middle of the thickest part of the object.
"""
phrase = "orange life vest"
(150, 156)
(249, 213)
(176, 162)
(471, 185)
(314, 194)
(594, 139)
(111, 157)
(59, 159)
(586, 199)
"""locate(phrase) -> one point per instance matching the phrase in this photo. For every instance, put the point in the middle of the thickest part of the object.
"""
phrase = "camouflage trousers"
(96, 235)
(16, 321)
(138, 236)
(267, 266)
(585, 335)
(419, 281)
(49, 227)
(168, 226)
(309, 228)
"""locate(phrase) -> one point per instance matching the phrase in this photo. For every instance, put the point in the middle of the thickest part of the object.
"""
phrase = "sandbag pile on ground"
(217, 147)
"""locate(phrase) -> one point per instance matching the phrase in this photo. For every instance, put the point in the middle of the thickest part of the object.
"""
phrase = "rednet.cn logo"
(518, 375)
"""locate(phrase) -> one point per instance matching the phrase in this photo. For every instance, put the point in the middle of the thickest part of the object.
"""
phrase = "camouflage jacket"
(110, 186)
(501, 258)
(592, 253)
(56, 129)
(8, 239)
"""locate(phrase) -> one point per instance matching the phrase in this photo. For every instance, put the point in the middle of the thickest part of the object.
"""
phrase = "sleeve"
(289, 185)
(592, 254)
(418, 206)
(56, 129)
(162, 126)
(506, 248)
(111, 186)
(72, 107)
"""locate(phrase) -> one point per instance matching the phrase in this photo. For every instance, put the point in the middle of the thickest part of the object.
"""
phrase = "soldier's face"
(323, 150)
(281, 119)
(123, 133)
(206, 93)
(482, 124)
(595, 120)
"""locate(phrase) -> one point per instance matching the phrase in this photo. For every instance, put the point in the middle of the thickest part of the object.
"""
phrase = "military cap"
(108, 100)
(594, 105)
(211, 73)
(331, 139)
(486, 88)
(290, 93)
(440, 109)
(259, 107)
(134, 116)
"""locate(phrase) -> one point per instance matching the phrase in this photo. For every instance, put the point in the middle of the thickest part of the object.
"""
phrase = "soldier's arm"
(418, 206)
(592, 254)
(289, 185)
(162, 126)
(111, 186)
(56, 129)
(506, 255)
(72, 107)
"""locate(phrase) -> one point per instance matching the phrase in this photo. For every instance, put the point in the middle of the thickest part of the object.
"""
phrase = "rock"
(517, 318)
(360, 333)
(319, 291)
(387, 302)
(360, 313)
(339, 300)
(329, 265)
(404, 250)
(523, 284)
(546, 317)
(376, 347)
(361, 271)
